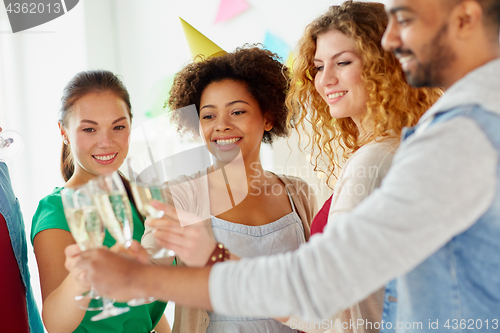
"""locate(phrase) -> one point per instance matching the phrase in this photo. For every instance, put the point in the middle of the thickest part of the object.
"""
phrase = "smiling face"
(338, 78)
(418, 34)
(231, 120)
(98, 131)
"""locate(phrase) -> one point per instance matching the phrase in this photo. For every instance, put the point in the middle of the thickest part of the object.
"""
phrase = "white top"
(362, 173)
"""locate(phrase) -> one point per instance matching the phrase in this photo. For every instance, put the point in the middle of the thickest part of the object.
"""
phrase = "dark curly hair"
(266, 78)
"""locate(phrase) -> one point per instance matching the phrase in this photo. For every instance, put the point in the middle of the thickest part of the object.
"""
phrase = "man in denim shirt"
(18, 310)
(434, 224)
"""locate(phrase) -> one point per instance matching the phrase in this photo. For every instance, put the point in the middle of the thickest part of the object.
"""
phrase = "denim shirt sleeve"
(11, 211)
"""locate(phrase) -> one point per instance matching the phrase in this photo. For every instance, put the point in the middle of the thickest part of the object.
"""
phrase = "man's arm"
(441, 181)
(123, 278)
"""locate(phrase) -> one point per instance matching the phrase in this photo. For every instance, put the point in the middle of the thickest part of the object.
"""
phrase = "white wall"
(144, 43)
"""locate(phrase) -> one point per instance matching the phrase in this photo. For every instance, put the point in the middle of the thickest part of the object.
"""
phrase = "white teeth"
(104, 158)
(404, 60)
(338, 94)
(227, 141)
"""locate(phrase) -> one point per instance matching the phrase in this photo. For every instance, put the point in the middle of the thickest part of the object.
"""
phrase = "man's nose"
(392, 38)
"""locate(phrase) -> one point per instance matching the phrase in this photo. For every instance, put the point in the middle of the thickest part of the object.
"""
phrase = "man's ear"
(469, 16)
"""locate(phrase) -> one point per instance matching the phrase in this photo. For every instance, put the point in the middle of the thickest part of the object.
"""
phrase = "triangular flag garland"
(198, 43)
(276, 45)
(229, 9)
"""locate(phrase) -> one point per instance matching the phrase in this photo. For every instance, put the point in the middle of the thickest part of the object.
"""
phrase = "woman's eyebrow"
(335, 56)
(234, 102)
(88, 121)
(119, 119)
(228, 104)
(95, 123)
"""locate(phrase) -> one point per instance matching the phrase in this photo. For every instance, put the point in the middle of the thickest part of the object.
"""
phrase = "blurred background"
(143, 42)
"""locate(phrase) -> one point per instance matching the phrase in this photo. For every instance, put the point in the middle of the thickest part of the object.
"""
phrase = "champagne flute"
(86, 228)
(114, 208)
(144, 192)
(11, 143)
(113, 205)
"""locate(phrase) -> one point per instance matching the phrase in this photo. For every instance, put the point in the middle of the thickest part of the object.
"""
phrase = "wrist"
(145, 281)
(78, 286)
(219, 254)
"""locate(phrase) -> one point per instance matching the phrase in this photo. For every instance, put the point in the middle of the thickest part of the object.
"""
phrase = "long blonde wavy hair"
(391, 103)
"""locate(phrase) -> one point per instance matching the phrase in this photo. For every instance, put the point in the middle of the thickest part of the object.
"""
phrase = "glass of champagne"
(114, 207)
(112, 203)
(11, 143)
(145, 191)
(86, 228)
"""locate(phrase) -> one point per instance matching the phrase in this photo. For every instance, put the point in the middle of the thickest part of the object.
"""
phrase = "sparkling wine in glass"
(112, 203)
(86, 228)
(144, 192)
(11, 143)
(114, 207)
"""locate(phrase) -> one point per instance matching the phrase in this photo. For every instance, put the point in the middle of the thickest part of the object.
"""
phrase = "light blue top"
(282, 235)
(11, 211)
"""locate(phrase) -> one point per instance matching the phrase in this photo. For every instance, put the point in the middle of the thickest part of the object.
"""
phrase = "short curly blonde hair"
(391, 104)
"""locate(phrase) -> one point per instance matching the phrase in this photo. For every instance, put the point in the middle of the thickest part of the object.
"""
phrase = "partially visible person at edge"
(432, 224)
(95, 123)
(240, 102)
(18, 309)
(345, 102)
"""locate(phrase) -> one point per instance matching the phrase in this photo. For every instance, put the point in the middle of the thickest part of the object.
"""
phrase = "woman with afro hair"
(240, 104)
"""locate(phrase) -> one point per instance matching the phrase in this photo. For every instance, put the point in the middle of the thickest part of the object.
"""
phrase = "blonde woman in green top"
(95, 123)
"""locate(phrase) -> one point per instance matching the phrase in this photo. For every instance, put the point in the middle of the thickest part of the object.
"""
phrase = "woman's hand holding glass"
(192, 243)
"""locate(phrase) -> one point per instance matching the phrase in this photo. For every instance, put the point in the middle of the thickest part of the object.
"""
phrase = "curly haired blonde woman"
(354, 96)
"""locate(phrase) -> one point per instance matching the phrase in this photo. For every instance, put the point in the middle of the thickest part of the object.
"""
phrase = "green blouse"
(140, 319)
